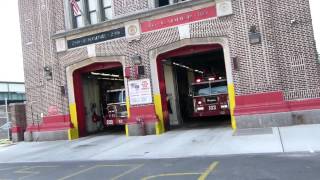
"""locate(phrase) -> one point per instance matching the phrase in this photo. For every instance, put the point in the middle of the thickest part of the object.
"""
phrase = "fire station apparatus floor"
(178, 143)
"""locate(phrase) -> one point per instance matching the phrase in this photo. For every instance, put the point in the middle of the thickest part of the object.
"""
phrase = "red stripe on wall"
(52, 123)
(272, 102)
(16, 129)
(147, 113)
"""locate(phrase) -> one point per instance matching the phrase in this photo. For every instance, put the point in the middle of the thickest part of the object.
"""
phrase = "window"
(4, 87)
(206, 89)
(163, 3)
(160, 3)
(107, 10)
(17, 88)
(77, 16)
(92, 11)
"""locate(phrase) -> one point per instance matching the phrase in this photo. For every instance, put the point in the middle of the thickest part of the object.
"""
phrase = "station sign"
(140, 92)
(96, 38)
(178, 19)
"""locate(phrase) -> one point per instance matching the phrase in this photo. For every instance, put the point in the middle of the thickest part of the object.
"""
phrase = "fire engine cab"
(210, 97)
(115, 112)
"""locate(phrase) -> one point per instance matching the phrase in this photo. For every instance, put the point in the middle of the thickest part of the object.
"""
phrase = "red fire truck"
(210, 97)
(116, 109)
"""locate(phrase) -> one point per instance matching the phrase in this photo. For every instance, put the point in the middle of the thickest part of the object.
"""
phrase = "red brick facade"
(284, 62)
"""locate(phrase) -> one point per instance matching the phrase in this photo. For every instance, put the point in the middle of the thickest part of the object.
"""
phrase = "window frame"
(171, 2)
(103, 8)
(74, 17)
(88, 12)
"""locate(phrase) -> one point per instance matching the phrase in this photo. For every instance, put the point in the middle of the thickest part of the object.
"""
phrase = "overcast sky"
(11, 67)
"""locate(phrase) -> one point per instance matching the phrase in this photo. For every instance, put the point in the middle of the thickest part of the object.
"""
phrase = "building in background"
(147, 64)
(14, 92)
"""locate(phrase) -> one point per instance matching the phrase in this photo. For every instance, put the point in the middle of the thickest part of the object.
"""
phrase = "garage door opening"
(100, 98)
(195, 90)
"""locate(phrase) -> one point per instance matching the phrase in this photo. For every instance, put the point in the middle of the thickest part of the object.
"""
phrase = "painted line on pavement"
(77, 173)
(28, 170)
(203, 175)
(209, 170)
(134, 167)
(169, 175)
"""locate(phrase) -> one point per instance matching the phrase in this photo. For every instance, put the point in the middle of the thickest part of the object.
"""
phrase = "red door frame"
(78, 90)
(183, 51)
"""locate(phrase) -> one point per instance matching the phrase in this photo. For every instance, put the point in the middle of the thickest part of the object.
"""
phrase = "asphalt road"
(298, 166)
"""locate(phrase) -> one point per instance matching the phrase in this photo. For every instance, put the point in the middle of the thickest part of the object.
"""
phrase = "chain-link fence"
(4, 122)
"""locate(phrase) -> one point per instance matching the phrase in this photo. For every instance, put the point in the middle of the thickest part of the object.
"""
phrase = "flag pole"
(76, 9)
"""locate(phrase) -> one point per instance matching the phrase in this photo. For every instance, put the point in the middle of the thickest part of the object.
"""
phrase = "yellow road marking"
(206, 173)
(127, 172)
(135, 167)
(169, 174)
(78, 172)
(28, 170)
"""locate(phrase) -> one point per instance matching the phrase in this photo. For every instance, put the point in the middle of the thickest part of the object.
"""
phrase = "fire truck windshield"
(116, 97)
(205, 89)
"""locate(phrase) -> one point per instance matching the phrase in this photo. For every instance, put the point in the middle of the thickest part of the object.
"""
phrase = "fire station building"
(93, 64)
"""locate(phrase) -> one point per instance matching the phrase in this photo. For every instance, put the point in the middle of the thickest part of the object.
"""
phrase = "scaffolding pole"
(7, 117)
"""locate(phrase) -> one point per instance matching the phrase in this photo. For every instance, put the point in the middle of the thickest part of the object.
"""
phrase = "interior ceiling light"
(189, 68)
(111, 79)
(104, 74)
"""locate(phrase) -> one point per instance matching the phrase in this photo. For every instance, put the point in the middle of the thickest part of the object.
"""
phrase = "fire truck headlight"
(225, 106)
(200, 108)
(199, 102)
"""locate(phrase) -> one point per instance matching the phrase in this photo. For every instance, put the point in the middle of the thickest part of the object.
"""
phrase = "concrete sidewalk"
(173, 144)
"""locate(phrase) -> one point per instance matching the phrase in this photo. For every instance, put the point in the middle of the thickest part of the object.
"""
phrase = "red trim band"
(272, 102)
(16, 129)
(52, 123)
(145, 113)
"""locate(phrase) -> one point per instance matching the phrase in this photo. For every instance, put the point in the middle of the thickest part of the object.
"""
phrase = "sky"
(11, 65)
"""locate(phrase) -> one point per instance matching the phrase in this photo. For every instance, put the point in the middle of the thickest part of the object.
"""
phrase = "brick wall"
(284, 61)
(126, 7)
(39, 21)
(296, 49)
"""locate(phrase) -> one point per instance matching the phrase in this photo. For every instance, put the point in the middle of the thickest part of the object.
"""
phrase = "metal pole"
(7, 117)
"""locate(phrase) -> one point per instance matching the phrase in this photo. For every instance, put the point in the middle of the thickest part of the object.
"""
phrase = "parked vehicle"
(210, 97)
(116, 109)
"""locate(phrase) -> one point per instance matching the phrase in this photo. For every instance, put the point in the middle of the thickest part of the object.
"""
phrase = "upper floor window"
(87, 12)
(160, 3)
(77, 13)
(107, 9)
(92, 11)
